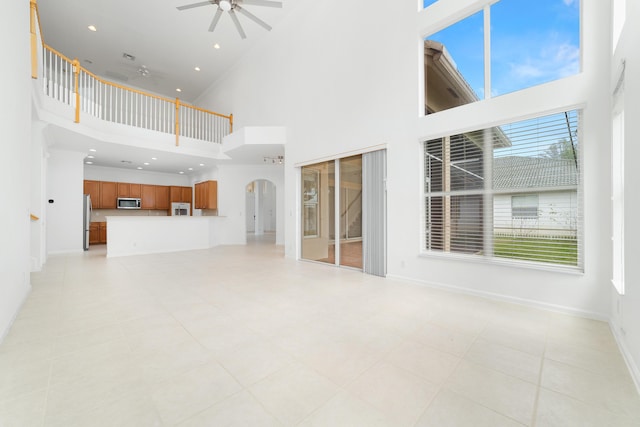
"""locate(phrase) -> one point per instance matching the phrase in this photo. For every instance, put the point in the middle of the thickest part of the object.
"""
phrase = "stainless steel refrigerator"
(86, 220)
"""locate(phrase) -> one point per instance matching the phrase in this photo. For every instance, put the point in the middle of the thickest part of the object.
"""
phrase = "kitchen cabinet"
(207, 195)
(180, 194)
(92, 188)
(94, 233)
(108, 194)
(123, 189)
(162, 197)
(126, 189)
(135, 190)
(148, 195)
(102, 227)
(97, 233)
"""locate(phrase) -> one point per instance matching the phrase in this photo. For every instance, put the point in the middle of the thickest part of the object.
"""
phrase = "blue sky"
(532, 42)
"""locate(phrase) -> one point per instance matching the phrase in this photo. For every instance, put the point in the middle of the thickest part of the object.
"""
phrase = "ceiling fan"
(233, 6)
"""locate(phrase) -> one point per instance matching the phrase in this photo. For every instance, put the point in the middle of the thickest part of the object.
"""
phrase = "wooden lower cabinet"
(94, 233)
(97, 233)
(103, 232)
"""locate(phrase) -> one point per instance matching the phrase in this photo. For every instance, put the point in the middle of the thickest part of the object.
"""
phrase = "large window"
(508, 46)
(510, 192)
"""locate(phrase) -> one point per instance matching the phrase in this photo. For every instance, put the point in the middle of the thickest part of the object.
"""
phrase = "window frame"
(578, 268)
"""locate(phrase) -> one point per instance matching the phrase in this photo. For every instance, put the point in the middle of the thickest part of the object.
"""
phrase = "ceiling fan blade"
(216, 18)
(253, 18)
(234, 18)
(191, 6)
(267, 3)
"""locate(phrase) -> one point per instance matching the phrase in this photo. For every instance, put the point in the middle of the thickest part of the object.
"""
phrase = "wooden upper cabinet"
(124, 189)
(108, 194)
(186, 194)
(162, 197)
(180, 194)
(175, 194)
(148, 195)
(135, 190)
(207, 195)
(92, 188)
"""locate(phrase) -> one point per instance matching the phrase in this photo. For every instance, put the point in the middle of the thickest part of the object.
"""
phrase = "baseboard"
(505, 298)
(66, 252)
(15, 314)
(634, 370)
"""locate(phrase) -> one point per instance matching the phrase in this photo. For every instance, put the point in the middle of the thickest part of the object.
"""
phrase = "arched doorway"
(260, 203)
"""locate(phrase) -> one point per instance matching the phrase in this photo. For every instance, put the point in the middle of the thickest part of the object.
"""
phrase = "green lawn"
(556, 251)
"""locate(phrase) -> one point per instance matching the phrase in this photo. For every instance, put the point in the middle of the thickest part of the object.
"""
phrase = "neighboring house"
(548, 210)
(532, 195)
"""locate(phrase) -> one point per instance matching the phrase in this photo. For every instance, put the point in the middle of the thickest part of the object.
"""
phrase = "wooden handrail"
(34, 39)
(77, 69)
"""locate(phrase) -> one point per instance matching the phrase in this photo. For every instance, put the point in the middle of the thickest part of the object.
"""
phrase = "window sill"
(503, 262)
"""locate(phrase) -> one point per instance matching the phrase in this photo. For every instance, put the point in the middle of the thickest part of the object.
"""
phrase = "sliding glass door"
(318, 219)
(350, 208)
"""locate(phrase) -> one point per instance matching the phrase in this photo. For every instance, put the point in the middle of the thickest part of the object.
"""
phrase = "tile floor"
(241, 336)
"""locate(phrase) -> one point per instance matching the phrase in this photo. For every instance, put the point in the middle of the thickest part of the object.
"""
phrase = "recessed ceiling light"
(201, 164)
(197, 68)
(93, 150)
(190, 169)
(216, 46)
(139, 167)
(146, 163)
(178, 90)
(89, 163)
(154, 158)
(92, 28)
(180, 172)
(90, 157)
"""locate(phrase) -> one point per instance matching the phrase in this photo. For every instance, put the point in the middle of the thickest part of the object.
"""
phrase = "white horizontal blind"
(521, 203)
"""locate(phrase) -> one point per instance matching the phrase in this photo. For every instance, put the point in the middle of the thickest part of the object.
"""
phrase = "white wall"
(65, 187)
(626, 308)
(357, 85)
(232, 183)
(38, 201)
(101, 173)
(15, 122)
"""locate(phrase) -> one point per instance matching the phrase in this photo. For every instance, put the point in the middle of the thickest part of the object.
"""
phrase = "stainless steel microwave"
(129, 203)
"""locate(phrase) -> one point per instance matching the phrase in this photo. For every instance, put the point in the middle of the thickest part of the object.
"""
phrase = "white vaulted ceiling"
(168, 42)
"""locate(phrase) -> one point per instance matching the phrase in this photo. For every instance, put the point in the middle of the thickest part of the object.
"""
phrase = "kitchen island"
(138, 235)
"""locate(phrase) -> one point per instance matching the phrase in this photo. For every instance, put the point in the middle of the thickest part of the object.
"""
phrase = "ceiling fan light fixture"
(225, 5)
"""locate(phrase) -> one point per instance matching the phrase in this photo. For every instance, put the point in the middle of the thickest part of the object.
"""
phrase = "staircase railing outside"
(66, 81)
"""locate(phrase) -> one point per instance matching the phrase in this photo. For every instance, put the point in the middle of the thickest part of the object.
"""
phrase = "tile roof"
(531, 172)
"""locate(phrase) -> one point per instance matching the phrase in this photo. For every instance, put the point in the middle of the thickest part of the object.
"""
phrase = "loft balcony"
(74, 102)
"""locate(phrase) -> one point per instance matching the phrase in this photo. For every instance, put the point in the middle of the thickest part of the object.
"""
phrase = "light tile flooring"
(241, 336)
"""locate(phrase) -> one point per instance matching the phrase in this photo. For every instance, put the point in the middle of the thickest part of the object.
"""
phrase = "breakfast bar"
(136, 235)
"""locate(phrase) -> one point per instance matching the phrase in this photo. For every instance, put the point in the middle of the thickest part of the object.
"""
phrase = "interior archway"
(260, 208)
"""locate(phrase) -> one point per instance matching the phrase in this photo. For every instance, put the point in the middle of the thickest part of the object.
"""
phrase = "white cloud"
(570, 2)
